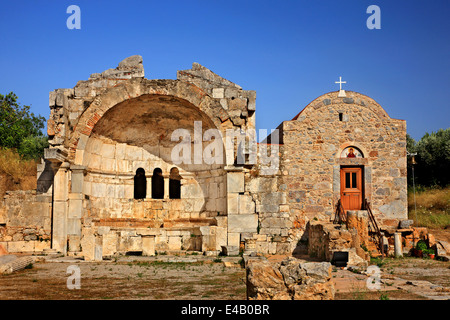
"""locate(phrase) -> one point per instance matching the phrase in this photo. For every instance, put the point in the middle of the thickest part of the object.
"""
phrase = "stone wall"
(324, 239)
(110, 187)
(95, 151)
(311, 162)
(25, 222)
(265, 195)
(105, 128)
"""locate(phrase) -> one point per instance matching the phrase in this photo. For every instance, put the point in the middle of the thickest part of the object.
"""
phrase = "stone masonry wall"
(311, 161)
(95, 153)
(25, 222)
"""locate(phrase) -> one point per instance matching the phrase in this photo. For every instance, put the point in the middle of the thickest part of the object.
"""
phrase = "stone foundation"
(326, 238)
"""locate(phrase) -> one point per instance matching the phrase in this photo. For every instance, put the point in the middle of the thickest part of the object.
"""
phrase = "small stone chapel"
(108, 184)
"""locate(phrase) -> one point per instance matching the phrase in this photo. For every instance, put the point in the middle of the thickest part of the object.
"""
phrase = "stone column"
(398, 244)
(75, 204)
(166, 187)
(149, 186)
(60, 208)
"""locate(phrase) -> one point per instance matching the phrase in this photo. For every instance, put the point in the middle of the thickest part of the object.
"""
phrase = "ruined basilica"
(109, 184)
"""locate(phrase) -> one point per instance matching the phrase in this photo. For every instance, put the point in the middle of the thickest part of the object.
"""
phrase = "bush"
(421, 245)
(433, 158)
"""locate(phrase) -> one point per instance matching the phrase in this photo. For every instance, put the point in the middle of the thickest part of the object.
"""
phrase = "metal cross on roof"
(341, 91)
(340, 83)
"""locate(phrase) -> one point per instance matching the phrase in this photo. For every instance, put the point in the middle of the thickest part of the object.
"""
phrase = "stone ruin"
(290, 279)
(107, 128)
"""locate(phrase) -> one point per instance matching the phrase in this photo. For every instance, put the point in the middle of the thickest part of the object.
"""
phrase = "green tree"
(21, 129)
(433, 158)
(411, 148)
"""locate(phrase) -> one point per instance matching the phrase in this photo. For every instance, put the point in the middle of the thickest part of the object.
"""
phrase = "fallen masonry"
(11, 263)
(290, 279)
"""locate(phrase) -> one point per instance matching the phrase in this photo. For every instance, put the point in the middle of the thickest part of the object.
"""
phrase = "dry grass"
(433, 208)
(12, 164)
(16, 173)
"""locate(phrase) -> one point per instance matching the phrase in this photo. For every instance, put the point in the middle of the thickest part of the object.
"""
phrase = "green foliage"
(421, 245)
(377, 261)
(21, 129)
(32, 147)
(433, 158)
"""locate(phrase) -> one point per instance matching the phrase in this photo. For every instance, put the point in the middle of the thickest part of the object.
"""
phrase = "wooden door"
(351, 188)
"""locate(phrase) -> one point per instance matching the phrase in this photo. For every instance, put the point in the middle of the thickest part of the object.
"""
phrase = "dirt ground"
(198, 277)
(128, 278)
(401, 279)
(188, 278)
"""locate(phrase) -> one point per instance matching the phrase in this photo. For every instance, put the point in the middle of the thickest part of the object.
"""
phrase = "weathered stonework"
(94, 180)
(107, 127)
(311, 160)
(25, 222)
(290, 279)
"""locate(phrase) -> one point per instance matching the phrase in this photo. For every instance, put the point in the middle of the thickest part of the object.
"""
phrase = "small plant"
(218, 260)
(421, 245)
(428, 253)
(358, 294)
(379, 262)
(384, 297)
(421, 249)
(29, 266)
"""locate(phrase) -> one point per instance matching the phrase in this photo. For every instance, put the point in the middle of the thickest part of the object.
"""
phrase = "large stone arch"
(135, 88)
(93, 194)
(114, 141)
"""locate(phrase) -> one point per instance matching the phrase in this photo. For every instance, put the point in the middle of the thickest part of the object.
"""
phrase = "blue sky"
(290, 52)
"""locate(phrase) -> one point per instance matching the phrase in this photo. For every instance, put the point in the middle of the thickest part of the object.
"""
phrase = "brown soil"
(440, 234)
(136, 278)
(124, 280)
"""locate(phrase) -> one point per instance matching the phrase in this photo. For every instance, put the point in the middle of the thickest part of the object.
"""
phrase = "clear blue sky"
(290, 52)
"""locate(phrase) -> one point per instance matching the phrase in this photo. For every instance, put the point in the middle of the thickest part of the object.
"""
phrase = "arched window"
(140, 184)
(351, 152)
(157, 184)
(174, 184)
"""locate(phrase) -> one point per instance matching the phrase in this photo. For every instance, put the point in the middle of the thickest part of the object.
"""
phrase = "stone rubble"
(290, 279)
